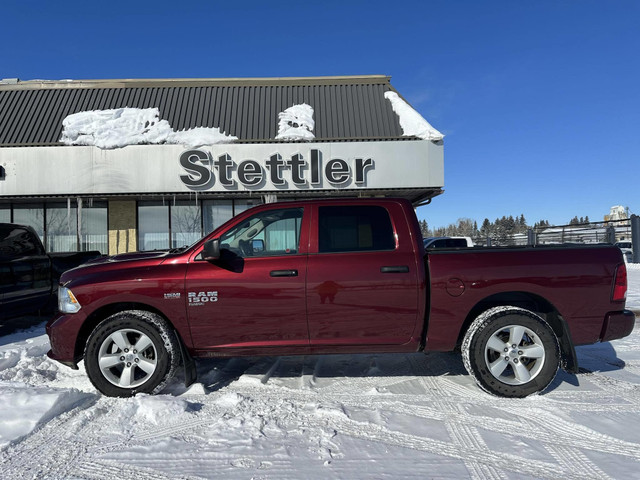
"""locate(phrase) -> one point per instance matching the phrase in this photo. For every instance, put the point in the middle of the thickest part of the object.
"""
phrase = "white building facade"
(162, 195)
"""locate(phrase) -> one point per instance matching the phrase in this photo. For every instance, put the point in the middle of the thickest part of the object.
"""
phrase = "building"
(617, 213)
(125, 165)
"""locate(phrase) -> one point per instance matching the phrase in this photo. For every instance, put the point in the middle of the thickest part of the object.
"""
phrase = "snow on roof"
(120, 127)
(412, 123)
(296, 123)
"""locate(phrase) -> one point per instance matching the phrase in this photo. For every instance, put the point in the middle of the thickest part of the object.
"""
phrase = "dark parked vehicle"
(338, 276)
(28, 275)
(447, 242)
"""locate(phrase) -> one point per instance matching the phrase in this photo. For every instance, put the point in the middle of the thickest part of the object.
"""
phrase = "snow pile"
(154, 408)
(296, 123)
(120, 127)
(412, 123)
(24, 408)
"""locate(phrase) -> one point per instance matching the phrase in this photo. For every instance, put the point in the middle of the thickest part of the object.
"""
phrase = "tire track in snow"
(504, 461)
(546, 428)
(110, 470)
(50, 448)
(577, 462)
(468, 438)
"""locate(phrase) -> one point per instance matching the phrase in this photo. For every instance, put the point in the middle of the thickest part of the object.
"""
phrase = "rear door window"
(355, 229)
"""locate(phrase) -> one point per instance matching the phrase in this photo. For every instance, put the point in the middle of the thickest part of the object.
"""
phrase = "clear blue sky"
(539, 100)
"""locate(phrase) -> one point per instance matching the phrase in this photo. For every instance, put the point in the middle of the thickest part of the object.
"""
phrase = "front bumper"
(617, 325)
(63, 333)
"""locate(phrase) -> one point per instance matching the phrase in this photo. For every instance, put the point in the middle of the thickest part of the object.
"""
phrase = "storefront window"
(153, 226)
(215, 213)
(5, 215)
(185, 223)
(31, 215)
(61, 228)
(242, 205)
(93, 232)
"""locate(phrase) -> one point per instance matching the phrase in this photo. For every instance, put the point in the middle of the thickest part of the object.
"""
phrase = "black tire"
(117, 368)
(522, 340)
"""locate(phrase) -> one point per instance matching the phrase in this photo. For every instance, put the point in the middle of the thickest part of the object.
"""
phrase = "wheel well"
(528, 301)
(100, 314)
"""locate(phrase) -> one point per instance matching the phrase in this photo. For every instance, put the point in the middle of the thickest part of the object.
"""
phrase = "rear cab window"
(17, 242)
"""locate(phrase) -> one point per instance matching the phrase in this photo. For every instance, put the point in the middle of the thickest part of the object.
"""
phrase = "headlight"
(67, 302)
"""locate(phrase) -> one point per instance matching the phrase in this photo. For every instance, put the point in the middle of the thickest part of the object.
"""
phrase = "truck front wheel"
(511, 352)
(131, 352)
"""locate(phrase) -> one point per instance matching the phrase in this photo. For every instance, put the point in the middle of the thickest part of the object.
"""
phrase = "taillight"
(619, 293)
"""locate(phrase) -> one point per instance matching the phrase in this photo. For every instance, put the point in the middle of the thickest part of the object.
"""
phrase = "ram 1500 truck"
(28, 275)
(337, 276)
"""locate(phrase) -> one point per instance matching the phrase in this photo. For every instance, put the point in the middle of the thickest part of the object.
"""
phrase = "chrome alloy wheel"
(127, 358)
(514, 355)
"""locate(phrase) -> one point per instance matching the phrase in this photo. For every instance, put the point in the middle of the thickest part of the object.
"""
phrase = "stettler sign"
(251, 173)
(78, 170)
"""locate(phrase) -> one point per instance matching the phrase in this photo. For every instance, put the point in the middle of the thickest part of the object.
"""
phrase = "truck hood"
(128, 257)
(126, 261)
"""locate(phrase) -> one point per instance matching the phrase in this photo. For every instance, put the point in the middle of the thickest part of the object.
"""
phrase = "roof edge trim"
(195, 82)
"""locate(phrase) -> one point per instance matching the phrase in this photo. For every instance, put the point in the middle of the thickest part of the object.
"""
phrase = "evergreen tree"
(424, 228)
(485, 230)
(541, 225)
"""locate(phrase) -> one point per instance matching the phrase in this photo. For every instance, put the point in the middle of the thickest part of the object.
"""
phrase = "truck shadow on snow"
(326, 371)
(597, 358)
(384, 373)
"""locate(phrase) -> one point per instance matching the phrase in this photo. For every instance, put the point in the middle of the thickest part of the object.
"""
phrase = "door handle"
(395, 269)
(283, 273)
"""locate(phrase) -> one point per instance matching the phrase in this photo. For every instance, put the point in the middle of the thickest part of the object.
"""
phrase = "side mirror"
(211, 250)
(257, 245)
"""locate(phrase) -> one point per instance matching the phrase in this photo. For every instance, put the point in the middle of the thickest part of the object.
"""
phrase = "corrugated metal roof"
(345, 108)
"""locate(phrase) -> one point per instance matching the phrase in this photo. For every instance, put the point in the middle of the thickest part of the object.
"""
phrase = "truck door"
(254, 295)
(362, 282)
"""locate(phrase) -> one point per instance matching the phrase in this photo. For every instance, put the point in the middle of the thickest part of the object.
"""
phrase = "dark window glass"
(457, 242)
(93, 231)
(31, 215)
(62, 228)
(355, 229)
(185, 223)
(215, 213)
(240, 206)
(153, 226)
(15, 241)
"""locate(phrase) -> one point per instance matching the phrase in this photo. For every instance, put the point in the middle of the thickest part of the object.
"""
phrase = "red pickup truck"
(337, 276)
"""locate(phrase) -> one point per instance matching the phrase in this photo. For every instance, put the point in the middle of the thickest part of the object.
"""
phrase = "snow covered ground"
(338, 416)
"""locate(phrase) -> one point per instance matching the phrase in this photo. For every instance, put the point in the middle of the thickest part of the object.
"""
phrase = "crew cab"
(337, 276)
(28, 275)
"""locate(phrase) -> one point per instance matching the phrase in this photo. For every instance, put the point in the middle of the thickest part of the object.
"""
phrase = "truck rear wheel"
(511, 352)
(131, 352)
